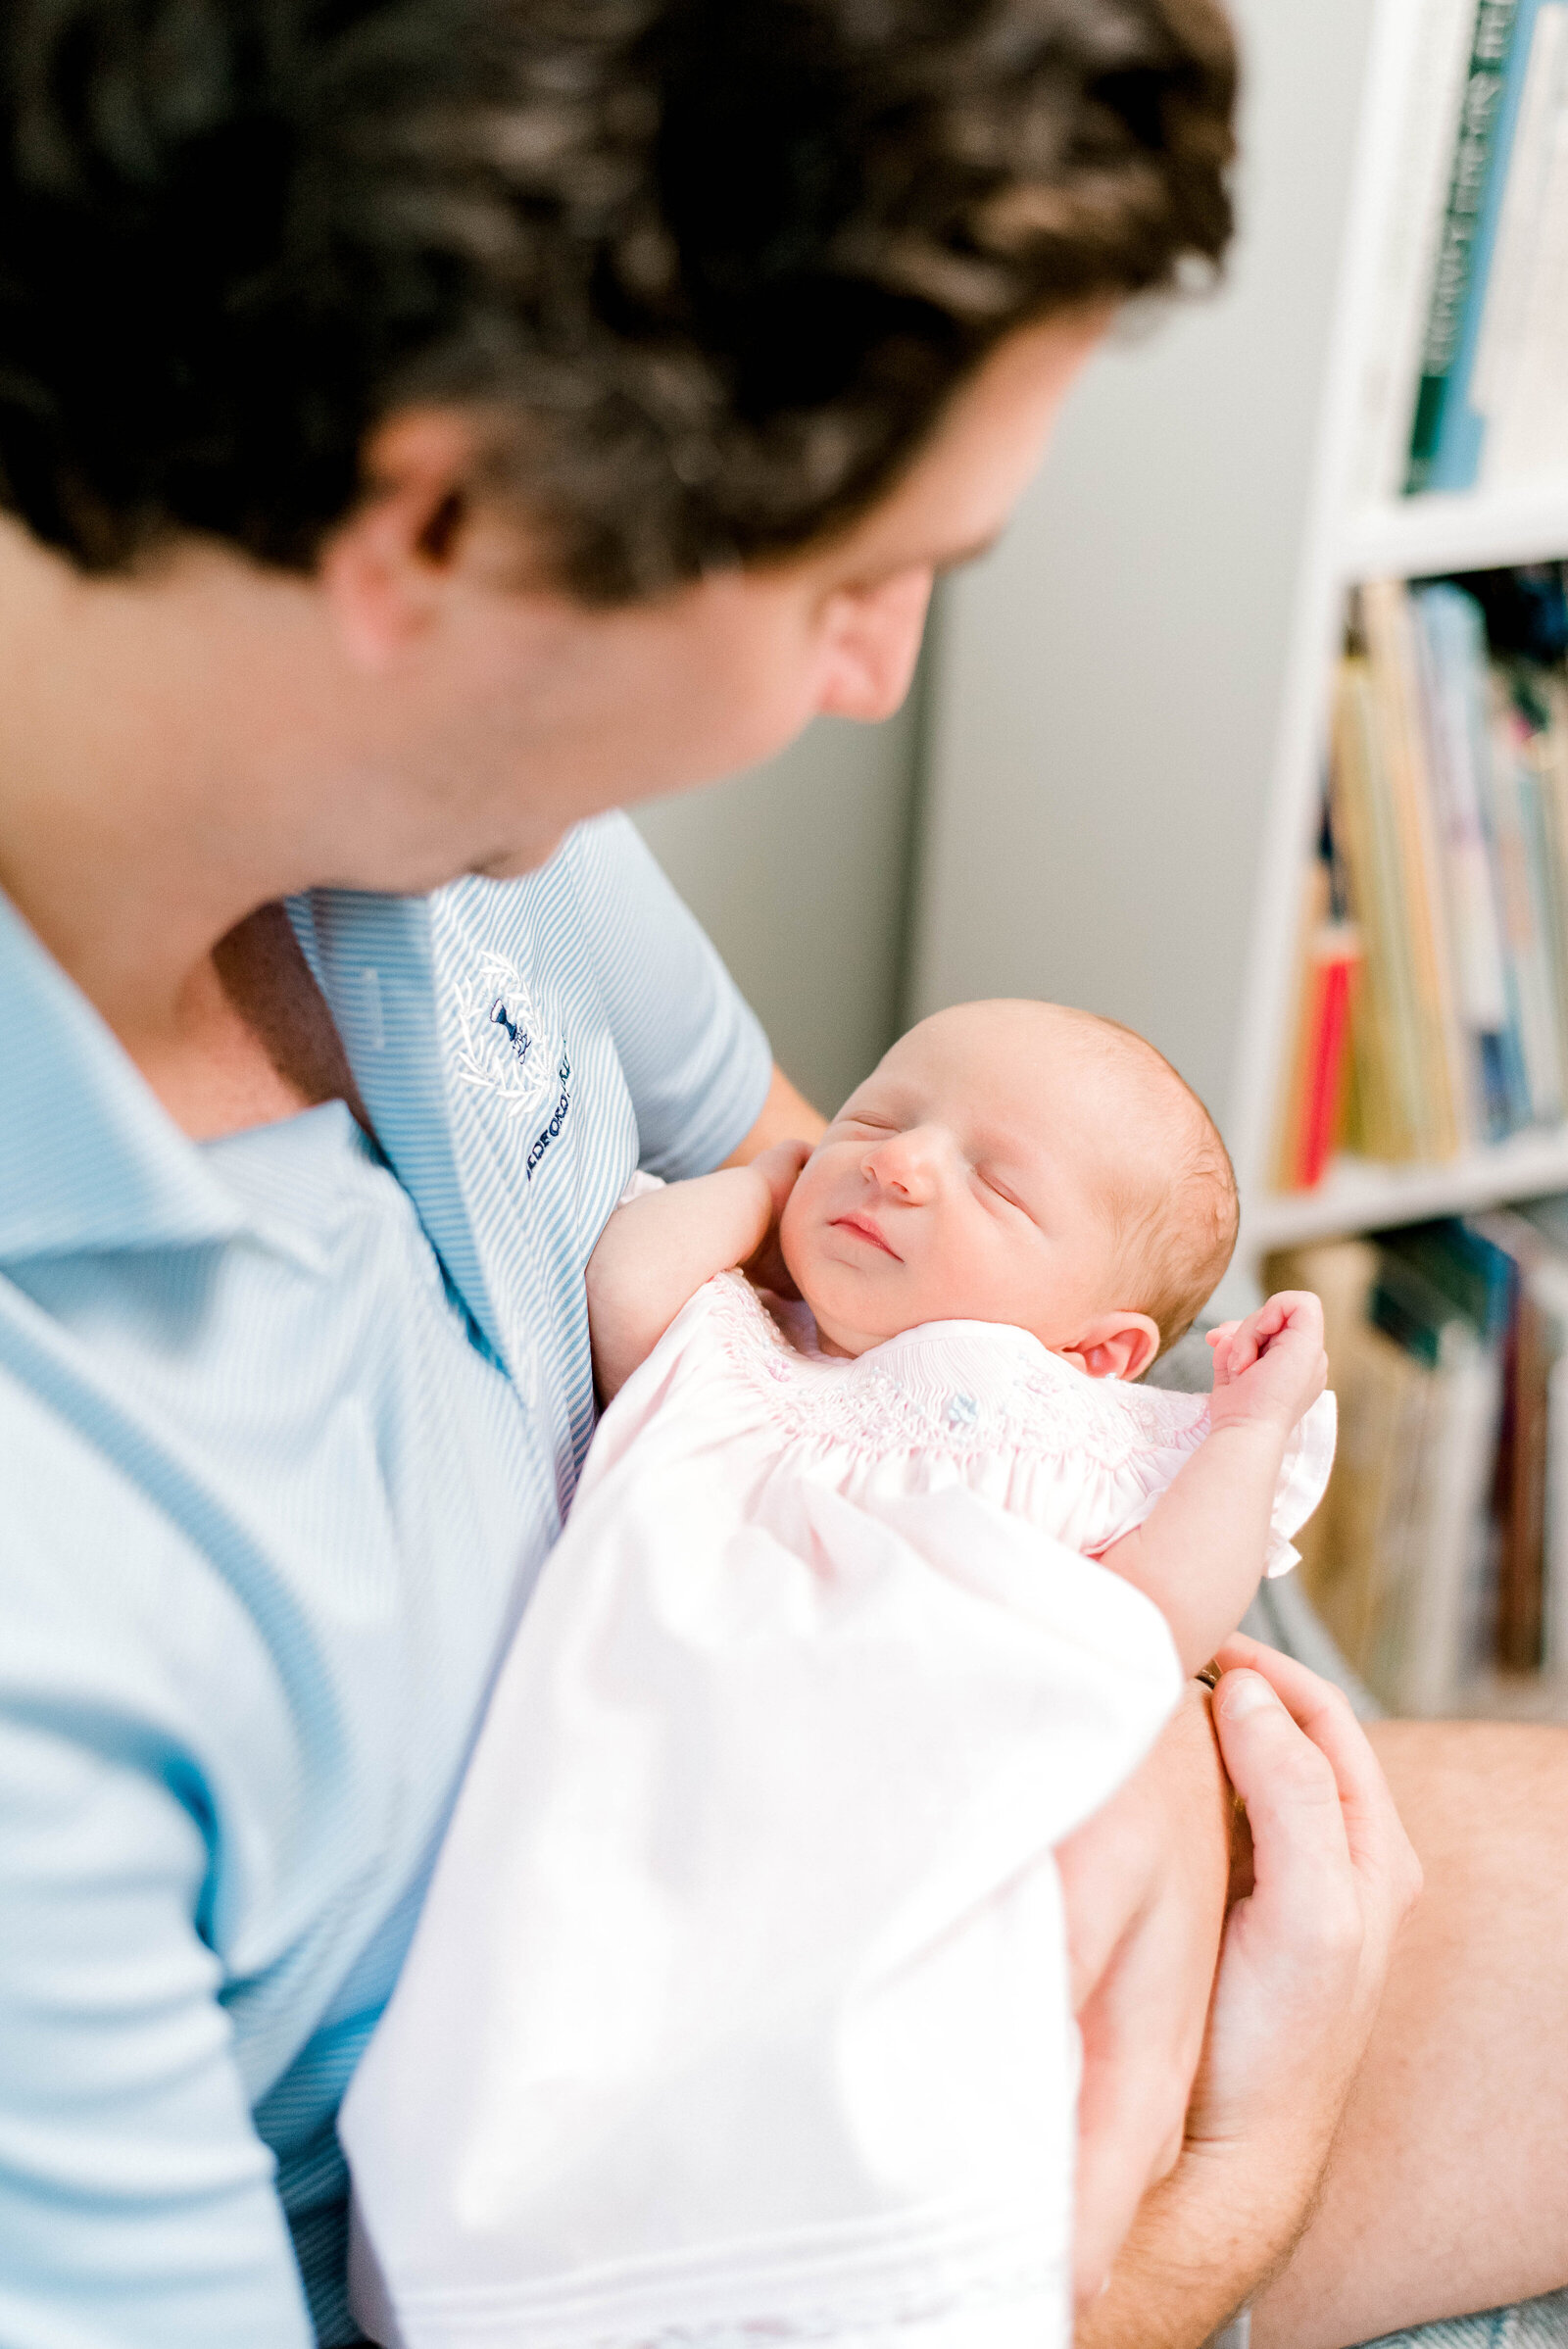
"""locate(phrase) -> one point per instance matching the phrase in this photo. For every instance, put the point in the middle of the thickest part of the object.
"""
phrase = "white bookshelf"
(1480, 530)
(1129, 695)
(1357, 1195)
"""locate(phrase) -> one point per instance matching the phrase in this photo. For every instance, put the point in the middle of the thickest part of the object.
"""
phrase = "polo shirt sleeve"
(136, 2201)
(697, 1062)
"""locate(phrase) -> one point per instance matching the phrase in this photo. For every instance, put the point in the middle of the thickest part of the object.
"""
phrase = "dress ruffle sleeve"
(1304, 1480)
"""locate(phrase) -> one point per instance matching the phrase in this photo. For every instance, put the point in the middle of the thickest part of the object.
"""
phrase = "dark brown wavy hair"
(707, 269)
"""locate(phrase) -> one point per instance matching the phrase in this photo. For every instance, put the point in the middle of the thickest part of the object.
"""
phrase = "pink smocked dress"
(738, 2015)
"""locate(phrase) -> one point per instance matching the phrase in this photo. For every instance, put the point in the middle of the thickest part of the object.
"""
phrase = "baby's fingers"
(1297, 1309)
(779, 1167)
(1271, 1317)
(1258, 1332)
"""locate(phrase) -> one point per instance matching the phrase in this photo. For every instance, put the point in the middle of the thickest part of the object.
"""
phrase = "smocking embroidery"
(880, 1405)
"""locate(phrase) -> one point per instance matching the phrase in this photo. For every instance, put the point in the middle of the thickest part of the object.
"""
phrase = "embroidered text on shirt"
(546, 1134)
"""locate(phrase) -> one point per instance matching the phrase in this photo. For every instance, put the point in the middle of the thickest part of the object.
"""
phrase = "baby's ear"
(1117, 1345)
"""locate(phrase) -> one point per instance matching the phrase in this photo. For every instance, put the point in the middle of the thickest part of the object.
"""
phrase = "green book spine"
(1461, 220)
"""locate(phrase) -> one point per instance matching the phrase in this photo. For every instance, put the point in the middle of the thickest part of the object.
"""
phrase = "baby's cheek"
(795, 1238)
(987, 1280)
(819, 1277)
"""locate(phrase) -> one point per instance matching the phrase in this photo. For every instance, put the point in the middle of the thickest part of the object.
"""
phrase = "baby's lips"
(864, 1227)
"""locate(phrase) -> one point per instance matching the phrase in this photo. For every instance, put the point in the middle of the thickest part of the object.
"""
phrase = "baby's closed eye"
(998, 1189)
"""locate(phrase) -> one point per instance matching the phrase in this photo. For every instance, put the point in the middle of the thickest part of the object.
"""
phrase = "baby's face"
(963, 1181)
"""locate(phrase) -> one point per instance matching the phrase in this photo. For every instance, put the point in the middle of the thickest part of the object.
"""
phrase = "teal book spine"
(1445, 435)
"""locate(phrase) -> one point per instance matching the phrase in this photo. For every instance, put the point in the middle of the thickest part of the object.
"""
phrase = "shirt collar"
(88, 1158)
(374, 960)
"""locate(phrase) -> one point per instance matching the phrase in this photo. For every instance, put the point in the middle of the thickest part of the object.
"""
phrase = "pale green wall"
(799, 872)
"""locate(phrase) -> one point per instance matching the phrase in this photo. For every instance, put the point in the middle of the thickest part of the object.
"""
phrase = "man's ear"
(1115, 1346)
(386, 567)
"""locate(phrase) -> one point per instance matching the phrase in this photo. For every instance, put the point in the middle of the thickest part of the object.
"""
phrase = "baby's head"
(1019, 1162)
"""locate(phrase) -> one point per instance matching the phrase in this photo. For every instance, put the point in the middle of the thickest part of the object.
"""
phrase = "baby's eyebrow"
(1005, 1147)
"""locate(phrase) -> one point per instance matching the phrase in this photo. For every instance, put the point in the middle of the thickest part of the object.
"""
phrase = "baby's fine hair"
(1175, 1229)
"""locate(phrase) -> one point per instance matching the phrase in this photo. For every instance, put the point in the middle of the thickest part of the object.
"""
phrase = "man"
(423, 424)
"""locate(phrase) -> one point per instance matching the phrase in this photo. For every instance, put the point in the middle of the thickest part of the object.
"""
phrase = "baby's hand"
(1271, 1367)
(779, 1168)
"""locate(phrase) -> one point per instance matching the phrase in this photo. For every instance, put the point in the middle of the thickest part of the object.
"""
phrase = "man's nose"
(907, 1165)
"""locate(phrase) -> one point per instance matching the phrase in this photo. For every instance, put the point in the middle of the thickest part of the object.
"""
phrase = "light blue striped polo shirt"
(286, 1427)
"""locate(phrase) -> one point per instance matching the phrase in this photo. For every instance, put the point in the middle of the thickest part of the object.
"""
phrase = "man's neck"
(116, 724)
(265, 1046)
(138, 862)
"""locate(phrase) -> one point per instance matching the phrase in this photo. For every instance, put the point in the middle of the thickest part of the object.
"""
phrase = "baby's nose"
(907, 1165)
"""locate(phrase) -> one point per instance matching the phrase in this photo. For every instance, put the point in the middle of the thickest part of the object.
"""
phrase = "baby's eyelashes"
(999, 1190)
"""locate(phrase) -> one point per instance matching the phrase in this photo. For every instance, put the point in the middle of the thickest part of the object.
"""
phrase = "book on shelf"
(1466, 380)
(1516, 373)
(1432, 992)
(1436, 71)
(1438, 1558)
(1329, 960)
(1447, 431)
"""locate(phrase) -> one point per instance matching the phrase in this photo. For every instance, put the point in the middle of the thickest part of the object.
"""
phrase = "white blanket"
(738, 2014)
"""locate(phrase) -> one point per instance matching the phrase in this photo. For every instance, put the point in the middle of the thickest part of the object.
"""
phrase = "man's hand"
(1144, 1883)
(1326, 1882)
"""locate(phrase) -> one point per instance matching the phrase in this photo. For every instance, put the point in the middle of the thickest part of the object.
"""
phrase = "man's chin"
(511, 863)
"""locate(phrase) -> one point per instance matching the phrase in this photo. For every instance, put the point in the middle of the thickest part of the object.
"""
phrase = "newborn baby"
(739, 2009)
(1037, 1168)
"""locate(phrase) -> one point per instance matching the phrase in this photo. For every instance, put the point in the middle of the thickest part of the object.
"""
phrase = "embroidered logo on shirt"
(503, 1047)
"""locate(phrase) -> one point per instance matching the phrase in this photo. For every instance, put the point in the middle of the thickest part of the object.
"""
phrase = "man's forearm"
(1207, 2238)
(1448, 2189)
(785, 1116)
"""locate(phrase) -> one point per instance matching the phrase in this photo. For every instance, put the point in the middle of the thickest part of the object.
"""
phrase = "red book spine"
(1328, 1039)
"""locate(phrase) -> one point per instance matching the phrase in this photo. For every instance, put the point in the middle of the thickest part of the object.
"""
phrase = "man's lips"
(865, 1228)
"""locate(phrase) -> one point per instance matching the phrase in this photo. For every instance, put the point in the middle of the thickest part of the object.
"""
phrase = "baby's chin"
(832, 1303)
(849, 1322)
